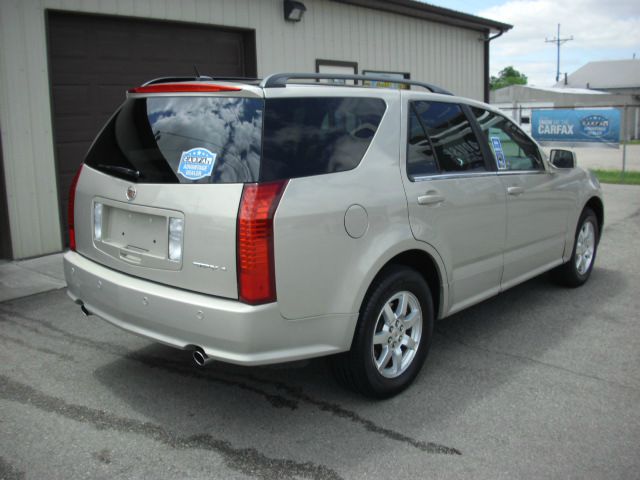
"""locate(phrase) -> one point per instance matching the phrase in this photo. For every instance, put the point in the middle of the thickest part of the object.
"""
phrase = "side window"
(512, 149)
(450, 137)
(317, 135)
(421, 158)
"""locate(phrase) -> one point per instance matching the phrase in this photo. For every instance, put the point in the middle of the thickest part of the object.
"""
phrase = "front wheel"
(392, 338)
(578, 269)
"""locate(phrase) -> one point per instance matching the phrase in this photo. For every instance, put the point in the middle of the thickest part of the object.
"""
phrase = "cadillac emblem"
(131, 192)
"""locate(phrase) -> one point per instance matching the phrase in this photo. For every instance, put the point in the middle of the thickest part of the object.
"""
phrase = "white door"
(537, 201)
(456, 200)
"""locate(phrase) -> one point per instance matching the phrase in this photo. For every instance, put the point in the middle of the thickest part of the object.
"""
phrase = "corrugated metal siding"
(448, 56)
(26, 130)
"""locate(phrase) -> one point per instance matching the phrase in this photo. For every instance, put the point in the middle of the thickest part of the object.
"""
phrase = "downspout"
(487, 39)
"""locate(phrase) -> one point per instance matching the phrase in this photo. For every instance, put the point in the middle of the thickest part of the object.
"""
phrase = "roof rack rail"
(279, 80)
(201, 78)
(237, 79)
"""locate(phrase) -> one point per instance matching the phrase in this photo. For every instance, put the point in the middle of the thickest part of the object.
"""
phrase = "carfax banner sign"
(582, 127)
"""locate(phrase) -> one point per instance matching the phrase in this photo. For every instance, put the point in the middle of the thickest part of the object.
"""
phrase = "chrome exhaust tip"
(200, 358)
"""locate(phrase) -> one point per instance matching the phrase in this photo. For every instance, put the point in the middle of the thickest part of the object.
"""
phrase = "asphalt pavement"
(539, 382)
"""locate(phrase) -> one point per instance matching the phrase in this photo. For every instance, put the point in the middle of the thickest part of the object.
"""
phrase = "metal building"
(518, 101)
(617, 77)
(65, 65)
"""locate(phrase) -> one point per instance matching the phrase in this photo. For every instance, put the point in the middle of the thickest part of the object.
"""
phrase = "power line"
(558, 41)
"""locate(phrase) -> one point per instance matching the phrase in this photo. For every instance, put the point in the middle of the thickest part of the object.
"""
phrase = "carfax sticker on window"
(197, 163)
(497, 148)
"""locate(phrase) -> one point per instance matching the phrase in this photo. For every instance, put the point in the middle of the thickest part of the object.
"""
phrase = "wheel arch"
(428, 264)
(595, 204)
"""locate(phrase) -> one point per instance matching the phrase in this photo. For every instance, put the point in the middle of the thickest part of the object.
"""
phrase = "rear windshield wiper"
(130, 172)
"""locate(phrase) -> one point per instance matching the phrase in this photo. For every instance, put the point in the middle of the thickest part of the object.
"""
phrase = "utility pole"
(558, 41)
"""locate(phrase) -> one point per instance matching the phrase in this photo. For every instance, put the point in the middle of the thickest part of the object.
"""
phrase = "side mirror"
(563, 158)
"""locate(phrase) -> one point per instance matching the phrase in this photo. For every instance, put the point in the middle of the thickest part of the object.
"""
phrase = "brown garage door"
(93, 59)
(5, 236)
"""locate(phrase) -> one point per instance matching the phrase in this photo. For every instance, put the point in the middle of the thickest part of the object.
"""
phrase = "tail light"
(256, 270)
(71, 209)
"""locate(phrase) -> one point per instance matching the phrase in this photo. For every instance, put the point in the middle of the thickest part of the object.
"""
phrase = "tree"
(507, 76)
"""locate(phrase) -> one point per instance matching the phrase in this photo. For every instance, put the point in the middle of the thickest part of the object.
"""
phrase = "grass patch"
(633, 142)
(616, 176)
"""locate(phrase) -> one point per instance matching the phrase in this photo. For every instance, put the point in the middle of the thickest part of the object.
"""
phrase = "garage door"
(93, 59)
(5, 236)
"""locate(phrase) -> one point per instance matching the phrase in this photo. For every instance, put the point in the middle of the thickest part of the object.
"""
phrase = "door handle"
(430, 198)
(515, 191)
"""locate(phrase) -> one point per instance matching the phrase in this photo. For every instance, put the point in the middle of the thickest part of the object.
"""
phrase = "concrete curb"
(22, 278)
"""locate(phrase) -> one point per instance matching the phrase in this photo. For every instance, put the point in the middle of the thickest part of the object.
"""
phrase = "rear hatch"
(159, 193)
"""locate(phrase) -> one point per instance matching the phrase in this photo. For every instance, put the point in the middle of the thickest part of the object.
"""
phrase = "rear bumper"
(226, 330)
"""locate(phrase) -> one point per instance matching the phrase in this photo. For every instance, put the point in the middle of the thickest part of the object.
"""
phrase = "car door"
(538, 201)
(456, 201)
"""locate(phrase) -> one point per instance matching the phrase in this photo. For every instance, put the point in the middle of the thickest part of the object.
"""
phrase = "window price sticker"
(497, 149)
(196, 163)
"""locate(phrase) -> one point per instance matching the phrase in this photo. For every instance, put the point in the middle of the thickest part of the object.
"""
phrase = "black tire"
(356, 369)
(568, 274)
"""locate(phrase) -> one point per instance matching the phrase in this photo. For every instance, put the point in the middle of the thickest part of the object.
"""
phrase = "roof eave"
(425, 11)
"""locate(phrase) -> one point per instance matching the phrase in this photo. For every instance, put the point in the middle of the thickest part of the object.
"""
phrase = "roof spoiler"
(200, 78)
(279, 80)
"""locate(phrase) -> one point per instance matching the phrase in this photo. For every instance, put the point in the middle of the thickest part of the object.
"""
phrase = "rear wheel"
(578, 269)
(392, 338)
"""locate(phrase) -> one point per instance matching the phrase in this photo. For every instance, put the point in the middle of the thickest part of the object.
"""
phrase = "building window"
(386, 75)
(338, 67)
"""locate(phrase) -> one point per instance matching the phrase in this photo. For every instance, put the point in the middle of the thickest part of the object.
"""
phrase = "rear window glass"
(234, 140)
(182, 139)
(313, 136)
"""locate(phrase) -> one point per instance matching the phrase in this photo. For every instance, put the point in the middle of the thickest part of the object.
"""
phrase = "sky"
(601, 30)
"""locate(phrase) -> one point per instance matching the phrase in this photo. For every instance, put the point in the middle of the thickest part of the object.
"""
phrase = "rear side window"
(318, 135)
(421, 159)
(450, 136)
(182, 140)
